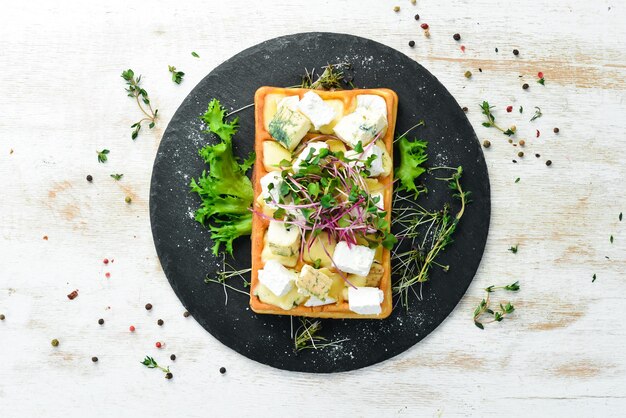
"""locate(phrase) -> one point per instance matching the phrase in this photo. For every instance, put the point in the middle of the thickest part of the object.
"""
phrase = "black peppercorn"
(456, 37)
(417, 17)
(515, 52)
(496, 49)
(2, 317)
(101, 321)
(89, 178)
(520, 154)
(186, 314)
(173, 357)
(549, 163)
(411, 44)
(94, 359)
(537, 155)
(148, 306)
(222, 370)
(525, 86)
(168, 375)
(465, 109)
(55, 342)
(514, 161)
(160, 322)
(486, 143)
(556, 130)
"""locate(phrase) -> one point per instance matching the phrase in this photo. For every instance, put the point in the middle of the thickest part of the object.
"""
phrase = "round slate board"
(183, 245)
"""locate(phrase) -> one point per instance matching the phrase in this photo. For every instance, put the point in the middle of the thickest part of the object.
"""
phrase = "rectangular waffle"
(265, 103)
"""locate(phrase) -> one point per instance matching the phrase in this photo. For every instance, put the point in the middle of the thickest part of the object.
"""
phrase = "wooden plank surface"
(62, 98)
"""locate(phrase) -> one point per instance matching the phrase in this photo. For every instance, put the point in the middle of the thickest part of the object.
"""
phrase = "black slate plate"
(183, 246)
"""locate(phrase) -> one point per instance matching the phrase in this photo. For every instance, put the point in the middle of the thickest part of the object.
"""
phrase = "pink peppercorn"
(131, 328)
(509, 109)
(424, 26)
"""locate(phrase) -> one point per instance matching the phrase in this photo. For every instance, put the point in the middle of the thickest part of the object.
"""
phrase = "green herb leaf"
(195, 54)
(513, 249)
(214, 118)
(359, 147)
(102, 155)
(140, 95)
(537, 114)
(594, 278)
(517, 180)
(521, 109)
(611, 239)
(177, 76)
(117, 176)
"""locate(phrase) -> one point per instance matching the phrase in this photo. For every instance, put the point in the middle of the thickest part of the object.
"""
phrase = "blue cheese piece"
(376, 165)
(355, 259)
(290, 102)
(306, 153)
(313, 301)
(270, 188)
(312, 282)
(283, 239)
(288, 126)
(316, 110)
(278, 279)
(362, 125)
(365, 300)
(371, 102)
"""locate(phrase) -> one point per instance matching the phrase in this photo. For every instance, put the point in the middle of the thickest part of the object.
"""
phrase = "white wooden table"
(62, 98)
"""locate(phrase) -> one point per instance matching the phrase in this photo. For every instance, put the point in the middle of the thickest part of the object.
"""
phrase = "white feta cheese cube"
(283, 239)
(371, 102)
(355, 259)
(278, 279)
(365, 300)
(313, 301)
(313, 107)
(362, 125)
(270, 187)
(306, 153)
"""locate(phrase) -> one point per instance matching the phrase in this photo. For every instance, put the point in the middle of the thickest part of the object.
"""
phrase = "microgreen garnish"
(227, 272)
(117, 176)
(415, 263)
(537, 114)
(177, 76)
(195, 54)
(150, 363)
(491, 119)
(103, 155)
(517, 180)
(513, 249)
(497, 315)
(225, 190)
(306, 337)
(594, 278)
(333, 77)
(141, 96)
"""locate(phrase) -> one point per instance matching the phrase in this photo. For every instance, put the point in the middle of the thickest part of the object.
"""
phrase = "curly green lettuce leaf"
(412, 156)
(224, 189)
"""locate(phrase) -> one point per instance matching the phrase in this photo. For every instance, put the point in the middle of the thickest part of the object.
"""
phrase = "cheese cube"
(376, 165)
(276, 278)
(306, 152)
(270, 187)
(286, 302)
(314, 108)
(283, 239)
(365, 300)
(355, 259)
(312, 282)
(313, 301)
(362, 125)
(288, 127)
(371, 102)
(267, 255)
(290, 102)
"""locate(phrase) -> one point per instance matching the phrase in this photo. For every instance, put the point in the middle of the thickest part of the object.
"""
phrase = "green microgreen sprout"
(177, 76)
(306, 337)
(143, 101)
(513, 249)
(103, 155)
(499, 314)
(150, 363)
(226, 273)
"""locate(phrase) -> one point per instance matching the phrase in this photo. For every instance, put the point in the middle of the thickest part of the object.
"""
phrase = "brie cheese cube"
(365, 300)
(355, 259)
(362, 125)
(313, 107)
(283, 239)
(312, 282)
(380, 204)
(313, 301)
(306, 153)
(371, 102)
(276, 278)
(288, 126)
(270, 187)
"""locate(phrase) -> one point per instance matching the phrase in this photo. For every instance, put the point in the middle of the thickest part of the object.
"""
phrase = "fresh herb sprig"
(307, 338)
(150, 363)
(117, 177)
(177, 76)
(103, 155)
(137, 92)
(491, 120)
(537, 114)
(501, 312)
(227, 272)
(334, 76)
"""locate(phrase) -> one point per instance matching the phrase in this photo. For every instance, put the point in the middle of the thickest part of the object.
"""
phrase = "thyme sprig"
(333, 77)
(137, 92)
(151, 363)
(228, 272)
(103, 155)
(501, 312)
(415, 264)
(306, 337)
(491, 119)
